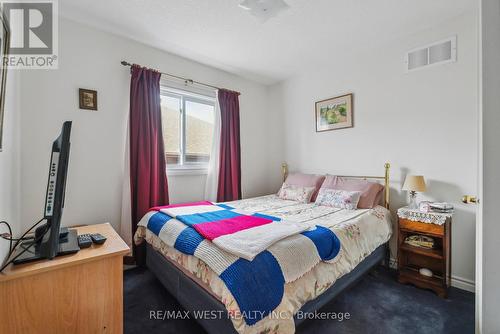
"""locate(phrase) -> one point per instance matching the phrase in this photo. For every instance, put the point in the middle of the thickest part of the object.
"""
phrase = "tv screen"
(49, 240)
(56, 188)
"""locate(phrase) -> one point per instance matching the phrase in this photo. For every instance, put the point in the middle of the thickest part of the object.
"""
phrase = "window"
(188, 125)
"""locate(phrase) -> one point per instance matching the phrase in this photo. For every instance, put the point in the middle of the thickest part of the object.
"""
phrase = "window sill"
(179, 171)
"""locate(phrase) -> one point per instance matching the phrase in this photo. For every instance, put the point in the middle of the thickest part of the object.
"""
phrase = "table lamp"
(414, 184)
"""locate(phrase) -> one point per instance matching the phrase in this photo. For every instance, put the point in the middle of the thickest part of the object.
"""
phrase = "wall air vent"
(441, 52)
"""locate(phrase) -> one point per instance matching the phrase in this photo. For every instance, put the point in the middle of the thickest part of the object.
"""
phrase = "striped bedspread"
(235, 231)
(218, 233)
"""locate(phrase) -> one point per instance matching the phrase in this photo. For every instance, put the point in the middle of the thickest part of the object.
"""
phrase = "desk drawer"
(421, 227)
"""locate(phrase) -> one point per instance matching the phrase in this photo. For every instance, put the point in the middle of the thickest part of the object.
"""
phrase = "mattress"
(360, 232)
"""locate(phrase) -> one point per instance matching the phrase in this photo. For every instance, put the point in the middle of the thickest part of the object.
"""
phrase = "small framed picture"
(334, 113)
(88, 99)
(4, 54)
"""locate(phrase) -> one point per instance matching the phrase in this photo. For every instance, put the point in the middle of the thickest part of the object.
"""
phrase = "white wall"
(488, 299)
(186, 188)
(9, 163)
(421, 122)
(91, 59)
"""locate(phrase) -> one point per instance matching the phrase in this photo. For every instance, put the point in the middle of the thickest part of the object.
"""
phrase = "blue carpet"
(377, 304)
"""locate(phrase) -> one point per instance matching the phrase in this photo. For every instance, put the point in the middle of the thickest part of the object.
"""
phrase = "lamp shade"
(414, 183)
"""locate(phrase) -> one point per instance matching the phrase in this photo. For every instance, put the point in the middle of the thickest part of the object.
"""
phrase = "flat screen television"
(50, 240)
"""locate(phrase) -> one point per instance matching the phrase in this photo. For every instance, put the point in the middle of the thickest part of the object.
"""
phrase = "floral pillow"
(296, 193)
(343, 199)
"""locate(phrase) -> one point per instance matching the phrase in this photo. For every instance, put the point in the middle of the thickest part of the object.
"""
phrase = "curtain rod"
(186, 80)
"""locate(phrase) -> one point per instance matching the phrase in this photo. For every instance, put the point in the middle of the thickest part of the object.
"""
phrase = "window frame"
(183, 168)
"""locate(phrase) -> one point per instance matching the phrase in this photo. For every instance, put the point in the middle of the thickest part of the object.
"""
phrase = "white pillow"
(296, 193)
(343, 199)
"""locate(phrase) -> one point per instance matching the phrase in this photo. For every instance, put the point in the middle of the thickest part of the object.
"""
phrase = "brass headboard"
(387, 167)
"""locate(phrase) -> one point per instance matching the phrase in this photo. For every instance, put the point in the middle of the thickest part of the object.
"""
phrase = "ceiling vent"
(264, 9)
(441, 52)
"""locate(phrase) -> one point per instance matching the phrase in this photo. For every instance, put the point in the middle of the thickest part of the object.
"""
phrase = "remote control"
(98, 239)
(84, 240)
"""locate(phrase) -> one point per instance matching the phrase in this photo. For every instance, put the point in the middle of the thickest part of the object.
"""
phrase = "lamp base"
(413, 200)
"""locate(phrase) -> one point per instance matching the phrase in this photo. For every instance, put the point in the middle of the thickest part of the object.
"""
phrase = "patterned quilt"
(359, 231)
(257, 282)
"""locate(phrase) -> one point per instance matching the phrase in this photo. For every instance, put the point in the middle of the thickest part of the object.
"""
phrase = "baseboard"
(456, 281)
(463, 283)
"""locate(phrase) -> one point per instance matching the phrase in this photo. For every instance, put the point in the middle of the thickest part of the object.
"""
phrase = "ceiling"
(220, 34)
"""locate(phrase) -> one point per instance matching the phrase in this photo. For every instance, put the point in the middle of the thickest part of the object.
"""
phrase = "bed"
(363, 236)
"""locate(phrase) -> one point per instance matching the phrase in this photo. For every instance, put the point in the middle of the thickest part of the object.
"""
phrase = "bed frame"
(193, 297)
(387, 193)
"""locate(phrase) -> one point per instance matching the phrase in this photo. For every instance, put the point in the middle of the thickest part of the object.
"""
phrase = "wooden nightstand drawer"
(421, 227)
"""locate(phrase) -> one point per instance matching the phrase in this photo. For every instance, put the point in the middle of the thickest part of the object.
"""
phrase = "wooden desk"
(77, 293)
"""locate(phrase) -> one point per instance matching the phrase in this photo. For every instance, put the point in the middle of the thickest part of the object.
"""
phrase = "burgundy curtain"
(229, 187)
(148, 178)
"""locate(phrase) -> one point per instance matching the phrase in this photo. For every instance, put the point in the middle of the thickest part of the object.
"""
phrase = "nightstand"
(437, 259)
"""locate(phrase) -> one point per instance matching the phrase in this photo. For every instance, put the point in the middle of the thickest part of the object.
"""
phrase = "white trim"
(456, 281)
(181, 87)
(204, 96)
(463, 283)
(183, 96)
(187, 171)
(479, 213)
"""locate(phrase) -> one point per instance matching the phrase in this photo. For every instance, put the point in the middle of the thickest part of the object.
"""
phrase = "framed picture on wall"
(88, 99)
(4, 52)
(334, 113)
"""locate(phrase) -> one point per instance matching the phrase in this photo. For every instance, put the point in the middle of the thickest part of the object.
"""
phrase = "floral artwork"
(334, 113)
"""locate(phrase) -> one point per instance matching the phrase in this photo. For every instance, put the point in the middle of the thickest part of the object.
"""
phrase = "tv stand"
(68, 244)
(79, 293)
